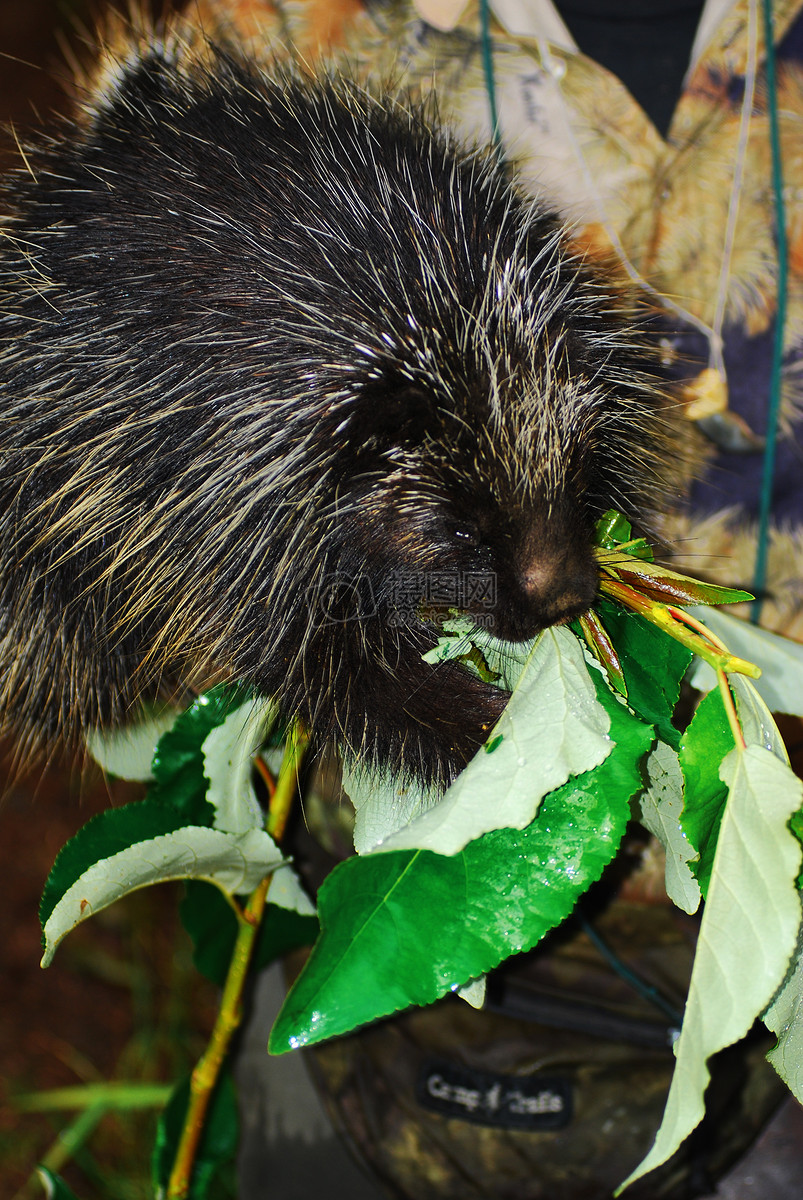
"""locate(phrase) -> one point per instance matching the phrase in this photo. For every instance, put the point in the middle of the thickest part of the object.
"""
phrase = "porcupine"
(273, 346)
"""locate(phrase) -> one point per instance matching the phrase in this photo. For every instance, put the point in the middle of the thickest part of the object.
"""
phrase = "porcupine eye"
(465, 536)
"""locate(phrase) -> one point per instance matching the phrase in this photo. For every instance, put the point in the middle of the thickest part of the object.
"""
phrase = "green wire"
(768, 472)
(488, 67)
(644, 989)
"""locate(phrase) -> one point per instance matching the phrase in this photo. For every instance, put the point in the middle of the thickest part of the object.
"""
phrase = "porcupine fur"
(273, 348)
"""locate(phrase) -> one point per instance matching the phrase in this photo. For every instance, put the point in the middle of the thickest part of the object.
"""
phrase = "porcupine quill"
(274, 353)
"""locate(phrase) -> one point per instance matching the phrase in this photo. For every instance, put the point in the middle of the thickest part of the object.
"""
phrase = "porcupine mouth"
(550, 592)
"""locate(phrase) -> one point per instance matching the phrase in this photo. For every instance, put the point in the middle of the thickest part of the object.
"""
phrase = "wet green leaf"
(383, 804)
(178, 764)
(405, 927)
(552, 728)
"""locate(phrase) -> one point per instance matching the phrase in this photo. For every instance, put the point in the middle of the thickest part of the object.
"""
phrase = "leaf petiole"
(730, 710)
(680, 614)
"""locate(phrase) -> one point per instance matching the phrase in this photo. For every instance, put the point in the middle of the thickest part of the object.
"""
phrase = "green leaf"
(55, 1187)
(705, 743)
(611, 530)
(780, 659)
(755, 719)
(202, 769)
(382, 805)
(747, 935)
(474, 991)
(235, 862)
(501, 662)
(665, 585)
(785, 1018)
(796, 825)
(661, 808)
(219, 1139)
(104, 836)
(405, 927)
(552, 728)
(128, 753)
(227, 753)
(178, 764)
(210, 921)
(459, 641)
(653, 665)
(602, 649)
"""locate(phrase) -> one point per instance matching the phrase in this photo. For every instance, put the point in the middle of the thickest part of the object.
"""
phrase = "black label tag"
(534, 1102)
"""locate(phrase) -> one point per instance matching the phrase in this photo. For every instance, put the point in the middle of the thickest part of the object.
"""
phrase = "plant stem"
(266, 775)
(730, 710)
(681, 615)
(205, 1075)
(282, 800)
(680, 626)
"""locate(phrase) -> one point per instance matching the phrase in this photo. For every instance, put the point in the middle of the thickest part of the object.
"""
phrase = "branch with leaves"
(445, 887)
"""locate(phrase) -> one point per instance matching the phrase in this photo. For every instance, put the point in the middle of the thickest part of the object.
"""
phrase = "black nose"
(560, 584)
(551, 587)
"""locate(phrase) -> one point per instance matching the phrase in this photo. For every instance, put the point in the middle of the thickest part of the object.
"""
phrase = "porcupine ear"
(391, 410)
(138, 29)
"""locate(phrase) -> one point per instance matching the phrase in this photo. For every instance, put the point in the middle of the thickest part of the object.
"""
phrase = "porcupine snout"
(560, 585)
(555, 579)
(552, 588)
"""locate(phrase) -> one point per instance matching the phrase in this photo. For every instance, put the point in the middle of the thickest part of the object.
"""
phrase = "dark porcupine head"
(276, 356)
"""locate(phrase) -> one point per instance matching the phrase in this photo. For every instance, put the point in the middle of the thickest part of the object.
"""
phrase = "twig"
(207, 1070)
